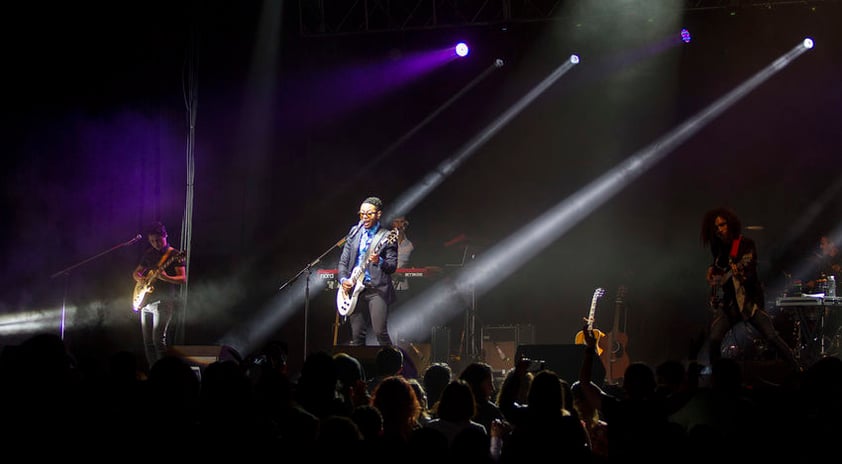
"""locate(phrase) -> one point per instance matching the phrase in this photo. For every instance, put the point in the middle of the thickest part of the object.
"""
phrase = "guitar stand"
(472, 352)
(336, 324)
(470, 342)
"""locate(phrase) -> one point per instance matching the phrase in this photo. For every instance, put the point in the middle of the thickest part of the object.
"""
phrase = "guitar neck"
(617, 308)
(596, 296)
(591, 314)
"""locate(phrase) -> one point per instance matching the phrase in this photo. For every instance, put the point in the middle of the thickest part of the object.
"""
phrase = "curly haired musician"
(737, 292)
(405, 249)
(160, 272)
(376, 290)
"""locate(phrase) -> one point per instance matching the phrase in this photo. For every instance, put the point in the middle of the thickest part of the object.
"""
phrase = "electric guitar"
(735, 270)
(598, 334)
(346, 301)
(144, 287)
(717, 290)
(614, 357)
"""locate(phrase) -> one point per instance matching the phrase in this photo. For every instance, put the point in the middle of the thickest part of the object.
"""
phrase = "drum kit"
(744, 342)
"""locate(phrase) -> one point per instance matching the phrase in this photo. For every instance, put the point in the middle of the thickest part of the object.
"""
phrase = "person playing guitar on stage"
(157, 277)
(375, 286)
(737, 293)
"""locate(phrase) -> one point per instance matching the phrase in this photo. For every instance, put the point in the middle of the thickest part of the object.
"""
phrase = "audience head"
(546, 394)
(389, 361)
(457, 402)
(395, 398)
(420, 393)
(369, 420)
(639, 380)
(349, 371)
(436, 377)
(480, 376)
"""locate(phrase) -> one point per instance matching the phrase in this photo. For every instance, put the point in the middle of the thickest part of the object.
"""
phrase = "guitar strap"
(374, 241)
(165, 256)
(377, 237)
(368, 245)
(735, 247)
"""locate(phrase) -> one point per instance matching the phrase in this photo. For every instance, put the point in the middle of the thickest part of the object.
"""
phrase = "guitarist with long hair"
(737, 292)
(369, 258)
(157, 277)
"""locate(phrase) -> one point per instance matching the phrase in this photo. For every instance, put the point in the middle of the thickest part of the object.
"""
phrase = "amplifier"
(500, 343)
(440, 344)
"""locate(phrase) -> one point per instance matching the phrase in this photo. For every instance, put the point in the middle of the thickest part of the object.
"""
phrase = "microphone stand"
(308, 270)
(469, 349)
(472, 347)
(66, 273)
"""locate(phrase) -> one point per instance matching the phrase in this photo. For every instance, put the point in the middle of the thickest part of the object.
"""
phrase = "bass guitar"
(144, 287)
(598, 334)
(346, 301)
(614, 356)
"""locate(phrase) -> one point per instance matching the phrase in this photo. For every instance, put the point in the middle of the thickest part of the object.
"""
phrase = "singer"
(158, 275)
(373, 258)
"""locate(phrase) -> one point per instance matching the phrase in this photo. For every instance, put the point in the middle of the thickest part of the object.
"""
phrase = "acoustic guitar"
(614, 356)
(598, 334)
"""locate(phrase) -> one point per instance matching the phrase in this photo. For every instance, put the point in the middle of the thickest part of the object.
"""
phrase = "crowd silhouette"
(331, 409)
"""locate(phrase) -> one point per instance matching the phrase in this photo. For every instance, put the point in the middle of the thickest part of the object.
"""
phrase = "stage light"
(685, 35)
(462, 49)
(574, 59)
(808, 43)
(498, 63)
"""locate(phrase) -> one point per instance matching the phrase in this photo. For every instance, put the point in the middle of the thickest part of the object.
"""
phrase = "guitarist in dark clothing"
(157, 277)
(737, 293)
(374, 284)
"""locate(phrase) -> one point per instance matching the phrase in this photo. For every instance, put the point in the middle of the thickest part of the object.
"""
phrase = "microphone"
(351, 233)
(356, 228)
(137, 238)
(500, 353)
(418, 352)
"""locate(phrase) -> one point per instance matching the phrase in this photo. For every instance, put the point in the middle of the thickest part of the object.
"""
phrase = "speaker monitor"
(367, 356)
(197, 355)
(440, 349)
(565, 360)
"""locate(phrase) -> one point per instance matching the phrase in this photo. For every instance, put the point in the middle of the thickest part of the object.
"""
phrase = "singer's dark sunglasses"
(367, 213)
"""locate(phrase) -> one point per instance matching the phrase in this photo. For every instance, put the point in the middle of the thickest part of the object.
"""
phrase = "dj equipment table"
(810, 313)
